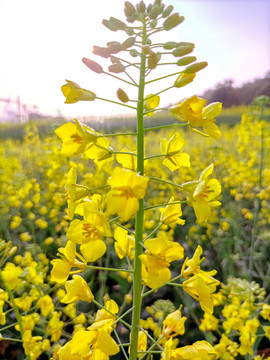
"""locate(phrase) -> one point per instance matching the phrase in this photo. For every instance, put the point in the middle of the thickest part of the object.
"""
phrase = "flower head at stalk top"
(124, 243)
(74, 93)
(75, 137)
(200, 194)
(171, 214)
(197, 351)
(194, 111)
(192, 266)
(127, 188)
(151, 102)
(157, 258)
(77, 289)
(174, 324)
(175, 158)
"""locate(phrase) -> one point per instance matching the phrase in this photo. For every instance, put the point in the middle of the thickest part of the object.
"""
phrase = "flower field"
(235, 241)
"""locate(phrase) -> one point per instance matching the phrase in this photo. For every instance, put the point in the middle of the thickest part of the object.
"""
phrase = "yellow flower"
(197, 351)
(100, 152)
(61, 267)
(77, 289)
(171, 214)
(175, 158)
(192, 266)
(124, 244)
(174, 323)
(45, 304)
(11, 276)
(73, 93)
(201, 286)
(55, 326)
(201, 193)
(90, 231)
(128, 161)
(127, 188)
(194, 111)
(142, 342)
(151, 102)
(75, 138)
(157, 258)
(32, 345)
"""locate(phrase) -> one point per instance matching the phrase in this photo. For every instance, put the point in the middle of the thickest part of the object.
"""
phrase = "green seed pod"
(116, 68)
(196, 67)
(153, 24)
(152, 60)
(184, 79)
(109, 25)
(173, 21)
(129, 9)
(149, 7)
(169, 45)
(133, 53)
(131, 19)
(167, 11)
(161, 8)
(154, 12)
(141, 7)
(182, 50)
(101, 51)
(114, 60)
(158, 54)
(157, 2)
(94, 66)
(122, 96)
(128, 43)
(120, 25)
(186, 60)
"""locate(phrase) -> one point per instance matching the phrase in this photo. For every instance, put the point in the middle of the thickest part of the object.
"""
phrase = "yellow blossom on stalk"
(124, 244)
(61, 267)
(201, 286)
(175, 158)
(194, 111)
(90, 231)
(55, 326)
(209, 323)
(157, 258)
(75, 137)
(107, 312)
(11, 276)
(2, 314)
(77, 289)
(45, 304)
(25, 236)
(192, 266)
(201, 193)
(128, 161)
(197, 351)
(32, 345)
(142, 342)
(100, 152)
(127, 188)
(171, 214)
(174, 324)
(24, 302)
(73, 93)
(151, 102)
(266, 330)
(265, 312)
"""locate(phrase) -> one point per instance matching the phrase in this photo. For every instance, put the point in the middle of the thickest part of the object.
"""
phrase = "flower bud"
(128, 43)
(114, 47)
(120, 25)
(122, 96)
(109, 25)
(94, 66)
(141, 7)
(116, 68)
(196, 67)
(167, 11)
(152, 60)
(134, 53)
(153, 24)
(146, 49)
(183, 50)
(129, 9)
(129, 31)
(101, 51)
(169, 45)
(186, 60)
(184, 79)
(73, 93)
(173, 21)
(154, 12)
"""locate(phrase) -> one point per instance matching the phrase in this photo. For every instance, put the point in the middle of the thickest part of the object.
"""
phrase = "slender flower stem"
(116, 102)
(153, 232)
(117, 134)
(118, 78)
(108, 269)
(165, 181)
(123, 227)
(124, 153)
(163, 77)
(137, 276)
(165, 204)
(164, 126)
(154, 156)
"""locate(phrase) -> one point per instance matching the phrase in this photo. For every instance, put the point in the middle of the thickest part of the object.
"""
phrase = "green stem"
(108, 269)
(165, 181)
(118, 78)
(162, 77)
(155, 156)
(153, 232)
(123, 227)
(117, 134)
(116, 102)
(165, 204)
(137, 276)
(164, 126)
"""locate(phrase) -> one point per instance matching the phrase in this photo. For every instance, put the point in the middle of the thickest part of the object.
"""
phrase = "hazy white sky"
(42, 44)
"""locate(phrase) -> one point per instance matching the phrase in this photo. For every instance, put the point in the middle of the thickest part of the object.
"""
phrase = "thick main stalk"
(137, 277)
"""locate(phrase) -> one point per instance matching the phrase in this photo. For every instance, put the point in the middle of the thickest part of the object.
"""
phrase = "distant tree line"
(229, 95)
